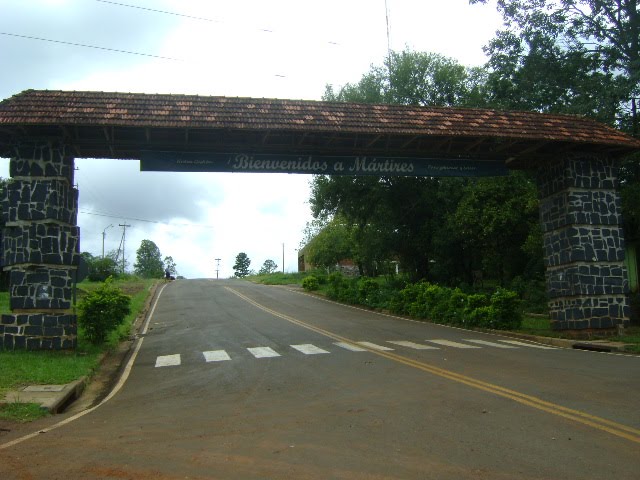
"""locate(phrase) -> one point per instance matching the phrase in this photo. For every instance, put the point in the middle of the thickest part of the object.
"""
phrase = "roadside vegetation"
(487, 307)
(22, 368)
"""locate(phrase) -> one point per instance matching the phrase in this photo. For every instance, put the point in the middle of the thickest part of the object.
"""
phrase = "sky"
(236, 48)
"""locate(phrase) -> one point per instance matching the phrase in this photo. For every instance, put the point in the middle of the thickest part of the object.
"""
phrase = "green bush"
(103, 310)
(310, 283)
(368, 292)
(508, 314)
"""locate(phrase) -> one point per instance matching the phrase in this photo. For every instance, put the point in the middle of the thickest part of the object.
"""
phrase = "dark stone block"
(20, 342)
(33, 331)
(46, 344)
(8, 319)
(607, 323)
(9, 329)
(17, 302)
(52, 259)
(52, 331)
(33, 343)
(37, 278)
(560, 325)
(56, 343)
(50, 321)
(8, 342)
(36, 320)
(39, 192)
(578, 324)
(70, 330)
(58, 281)
(16, 277)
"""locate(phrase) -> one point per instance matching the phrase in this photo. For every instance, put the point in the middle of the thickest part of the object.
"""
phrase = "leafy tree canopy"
(241, 267)
(101, 268)
(574, 56)
(415, 78)
(269, 266)
(148, 260)
(170, 265)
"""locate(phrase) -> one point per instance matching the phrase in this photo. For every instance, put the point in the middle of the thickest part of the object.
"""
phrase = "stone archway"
(43, 131)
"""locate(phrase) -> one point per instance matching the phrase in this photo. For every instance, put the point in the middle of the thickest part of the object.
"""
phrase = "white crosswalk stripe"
(350, 346)
(263, 352)
(449, 343)
(375, 346)
(363, 346)
(415, 346)
(488, 344)
(531, 345)
(168, 360)
(309, 349)
(216, 356)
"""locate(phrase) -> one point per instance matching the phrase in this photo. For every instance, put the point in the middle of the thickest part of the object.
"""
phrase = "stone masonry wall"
(580, 215)
(41, 249)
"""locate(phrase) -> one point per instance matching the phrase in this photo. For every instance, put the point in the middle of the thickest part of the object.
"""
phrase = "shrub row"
(500, 310)
(424, 300)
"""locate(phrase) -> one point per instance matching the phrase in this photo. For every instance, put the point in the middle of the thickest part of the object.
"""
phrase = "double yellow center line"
(602, 424)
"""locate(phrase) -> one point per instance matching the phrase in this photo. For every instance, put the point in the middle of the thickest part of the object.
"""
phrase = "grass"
(22, 412)
(22, 368)
(538, 325)
(278, 278)
(631, 337)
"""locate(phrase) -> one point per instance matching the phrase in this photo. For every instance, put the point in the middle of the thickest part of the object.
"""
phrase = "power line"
(163, 11)
(84, 45)
(192, 17)
(108, 215)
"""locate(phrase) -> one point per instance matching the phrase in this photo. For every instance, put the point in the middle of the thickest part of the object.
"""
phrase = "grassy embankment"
(21, 368)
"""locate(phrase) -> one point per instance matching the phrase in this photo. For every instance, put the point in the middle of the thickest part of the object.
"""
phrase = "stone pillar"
(584, 244)
(41, 249)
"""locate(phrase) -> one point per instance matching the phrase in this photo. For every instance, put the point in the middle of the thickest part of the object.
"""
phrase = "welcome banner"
(318, 164)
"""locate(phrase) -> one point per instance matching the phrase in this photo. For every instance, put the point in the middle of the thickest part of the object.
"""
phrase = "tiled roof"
(68, 108)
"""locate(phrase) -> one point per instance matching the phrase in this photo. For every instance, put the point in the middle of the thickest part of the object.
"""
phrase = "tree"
(170, 265)
(241, 267)
(332, 242)
(100, 268)
(496, 220)
(412, 219)
(415, 78)
(269, 266)
(148, 260)
(574, 56)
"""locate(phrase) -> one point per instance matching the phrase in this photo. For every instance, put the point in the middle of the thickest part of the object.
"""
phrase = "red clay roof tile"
(37, 107)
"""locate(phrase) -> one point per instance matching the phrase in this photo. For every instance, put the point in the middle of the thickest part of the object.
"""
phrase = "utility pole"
(104, 234)
(217, 267)
(124, 235)
(283, 258)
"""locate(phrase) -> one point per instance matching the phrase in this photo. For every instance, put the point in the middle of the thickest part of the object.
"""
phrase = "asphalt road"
(241, 381)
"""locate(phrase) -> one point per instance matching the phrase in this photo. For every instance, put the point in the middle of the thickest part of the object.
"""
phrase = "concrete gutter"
(54, 398)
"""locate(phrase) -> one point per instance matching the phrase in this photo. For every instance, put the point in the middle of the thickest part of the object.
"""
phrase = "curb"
(591, 345)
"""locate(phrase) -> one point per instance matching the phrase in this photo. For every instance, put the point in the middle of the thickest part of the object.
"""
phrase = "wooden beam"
(374, 141)
(409, 142)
